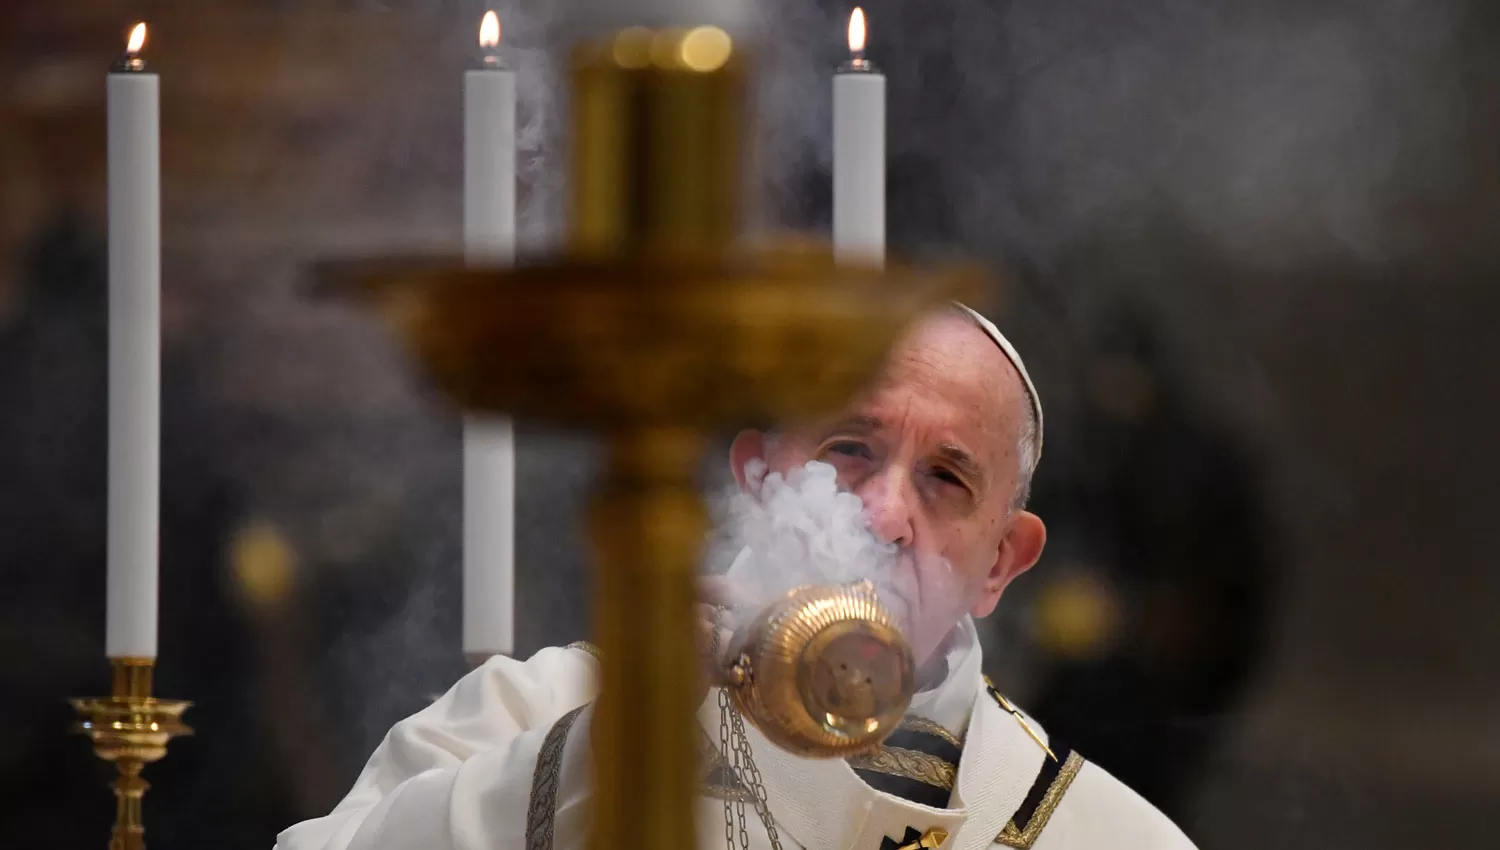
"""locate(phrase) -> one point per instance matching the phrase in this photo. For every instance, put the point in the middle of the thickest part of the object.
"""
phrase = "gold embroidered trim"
(728, 793)
(1023, 839)
(930, 840)
(922, 724)
(910, 764)
(713, 765)
(542, 813)
(1020, 718)
(587, 647)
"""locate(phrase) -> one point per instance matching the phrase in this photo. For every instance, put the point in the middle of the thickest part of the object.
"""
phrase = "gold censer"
(824, 671)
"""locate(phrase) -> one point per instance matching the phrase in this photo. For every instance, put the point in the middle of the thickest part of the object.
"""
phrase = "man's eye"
(948, 477)
(848, 448)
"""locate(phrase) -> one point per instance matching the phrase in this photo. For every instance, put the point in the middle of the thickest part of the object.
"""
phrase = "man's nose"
(888, 509)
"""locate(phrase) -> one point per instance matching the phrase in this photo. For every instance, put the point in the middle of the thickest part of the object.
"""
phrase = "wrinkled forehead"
(944, 386)
(950, 373)
(953, 344)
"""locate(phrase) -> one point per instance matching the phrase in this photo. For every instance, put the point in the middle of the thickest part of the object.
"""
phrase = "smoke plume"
(782, 531)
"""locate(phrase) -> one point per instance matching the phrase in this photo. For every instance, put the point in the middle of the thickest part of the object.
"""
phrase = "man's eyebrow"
(858, 424)
(963, 462)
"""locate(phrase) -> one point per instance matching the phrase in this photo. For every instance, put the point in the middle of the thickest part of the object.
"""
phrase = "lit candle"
(489, 442)
(134, 353)
(858, 153)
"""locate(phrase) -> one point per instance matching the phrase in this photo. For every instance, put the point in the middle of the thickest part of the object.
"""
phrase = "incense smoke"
(780, 532)
(1277, 132)
(784, 531)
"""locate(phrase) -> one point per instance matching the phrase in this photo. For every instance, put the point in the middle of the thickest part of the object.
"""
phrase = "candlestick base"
(130, 728)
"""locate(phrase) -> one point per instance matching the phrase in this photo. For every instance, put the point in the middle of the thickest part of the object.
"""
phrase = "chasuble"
(502, 761)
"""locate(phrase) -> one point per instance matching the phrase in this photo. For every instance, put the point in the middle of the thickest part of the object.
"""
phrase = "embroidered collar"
(824, 805)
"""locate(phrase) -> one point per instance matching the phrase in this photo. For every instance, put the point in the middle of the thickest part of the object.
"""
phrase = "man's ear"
(1019, 550)
(748, 445)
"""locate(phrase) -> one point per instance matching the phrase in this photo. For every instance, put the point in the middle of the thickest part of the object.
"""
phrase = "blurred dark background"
(1247, 248)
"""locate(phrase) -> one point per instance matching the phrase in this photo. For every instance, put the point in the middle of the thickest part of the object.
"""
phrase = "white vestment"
(463, 775)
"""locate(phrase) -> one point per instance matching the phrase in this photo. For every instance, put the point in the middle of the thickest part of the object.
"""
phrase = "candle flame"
(137, 39)
(857, 30)
(489, 30)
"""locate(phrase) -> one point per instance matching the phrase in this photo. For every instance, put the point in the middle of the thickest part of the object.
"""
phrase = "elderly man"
(940, 450)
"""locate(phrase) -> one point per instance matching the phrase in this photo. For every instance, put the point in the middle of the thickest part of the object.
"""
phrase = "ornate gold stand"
(655, 329)
(130, 728)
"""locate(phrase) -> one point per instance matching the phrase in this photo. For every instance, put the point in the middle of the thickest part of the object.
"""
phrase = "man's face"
(931, 451)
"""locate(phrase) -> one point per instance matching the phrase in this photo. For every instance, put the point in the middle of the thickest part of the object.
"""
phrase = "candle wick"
(131, 62)
(857, 64)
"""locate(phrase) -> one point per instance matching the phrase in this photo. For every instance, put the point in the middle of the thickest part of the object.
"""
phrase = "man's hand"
(715, 629)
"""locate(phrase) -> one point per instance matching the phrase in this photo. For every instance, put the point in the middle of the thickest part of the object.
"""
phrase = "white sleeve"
(454, 773)
(1099, 810)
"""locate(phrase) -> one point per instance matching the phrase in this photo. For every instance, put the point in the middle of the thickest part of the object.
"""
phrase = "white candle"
(858, 154)
(489, 442)
(134, 354)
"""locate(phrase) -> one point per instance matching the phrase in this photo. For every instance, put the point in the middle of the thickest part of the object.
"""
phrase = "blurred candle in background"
(858, 153)
(489, 442)
(134, 161)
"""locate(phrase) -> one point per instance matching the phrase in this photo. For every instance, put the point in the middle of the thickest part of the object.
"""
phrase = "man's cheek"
(850, 470)
(947, 586)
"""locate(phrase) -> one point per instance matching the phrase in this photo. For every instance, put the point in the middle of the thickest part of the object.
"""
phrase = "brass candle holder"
(130, 728)
(655, 329)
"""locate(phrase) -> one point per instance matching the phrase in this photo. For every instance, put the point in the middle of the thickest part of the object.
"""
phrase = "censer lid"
(825, 671)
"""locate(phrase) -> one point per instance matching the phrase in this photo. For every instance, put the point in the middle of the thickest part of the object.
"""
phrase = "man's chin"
(928, 635)
(924, 632)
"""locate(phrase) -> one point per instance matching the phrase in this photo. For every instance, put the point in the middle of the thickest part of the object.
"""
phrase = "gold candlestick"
(656, 329)
(130, 728)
